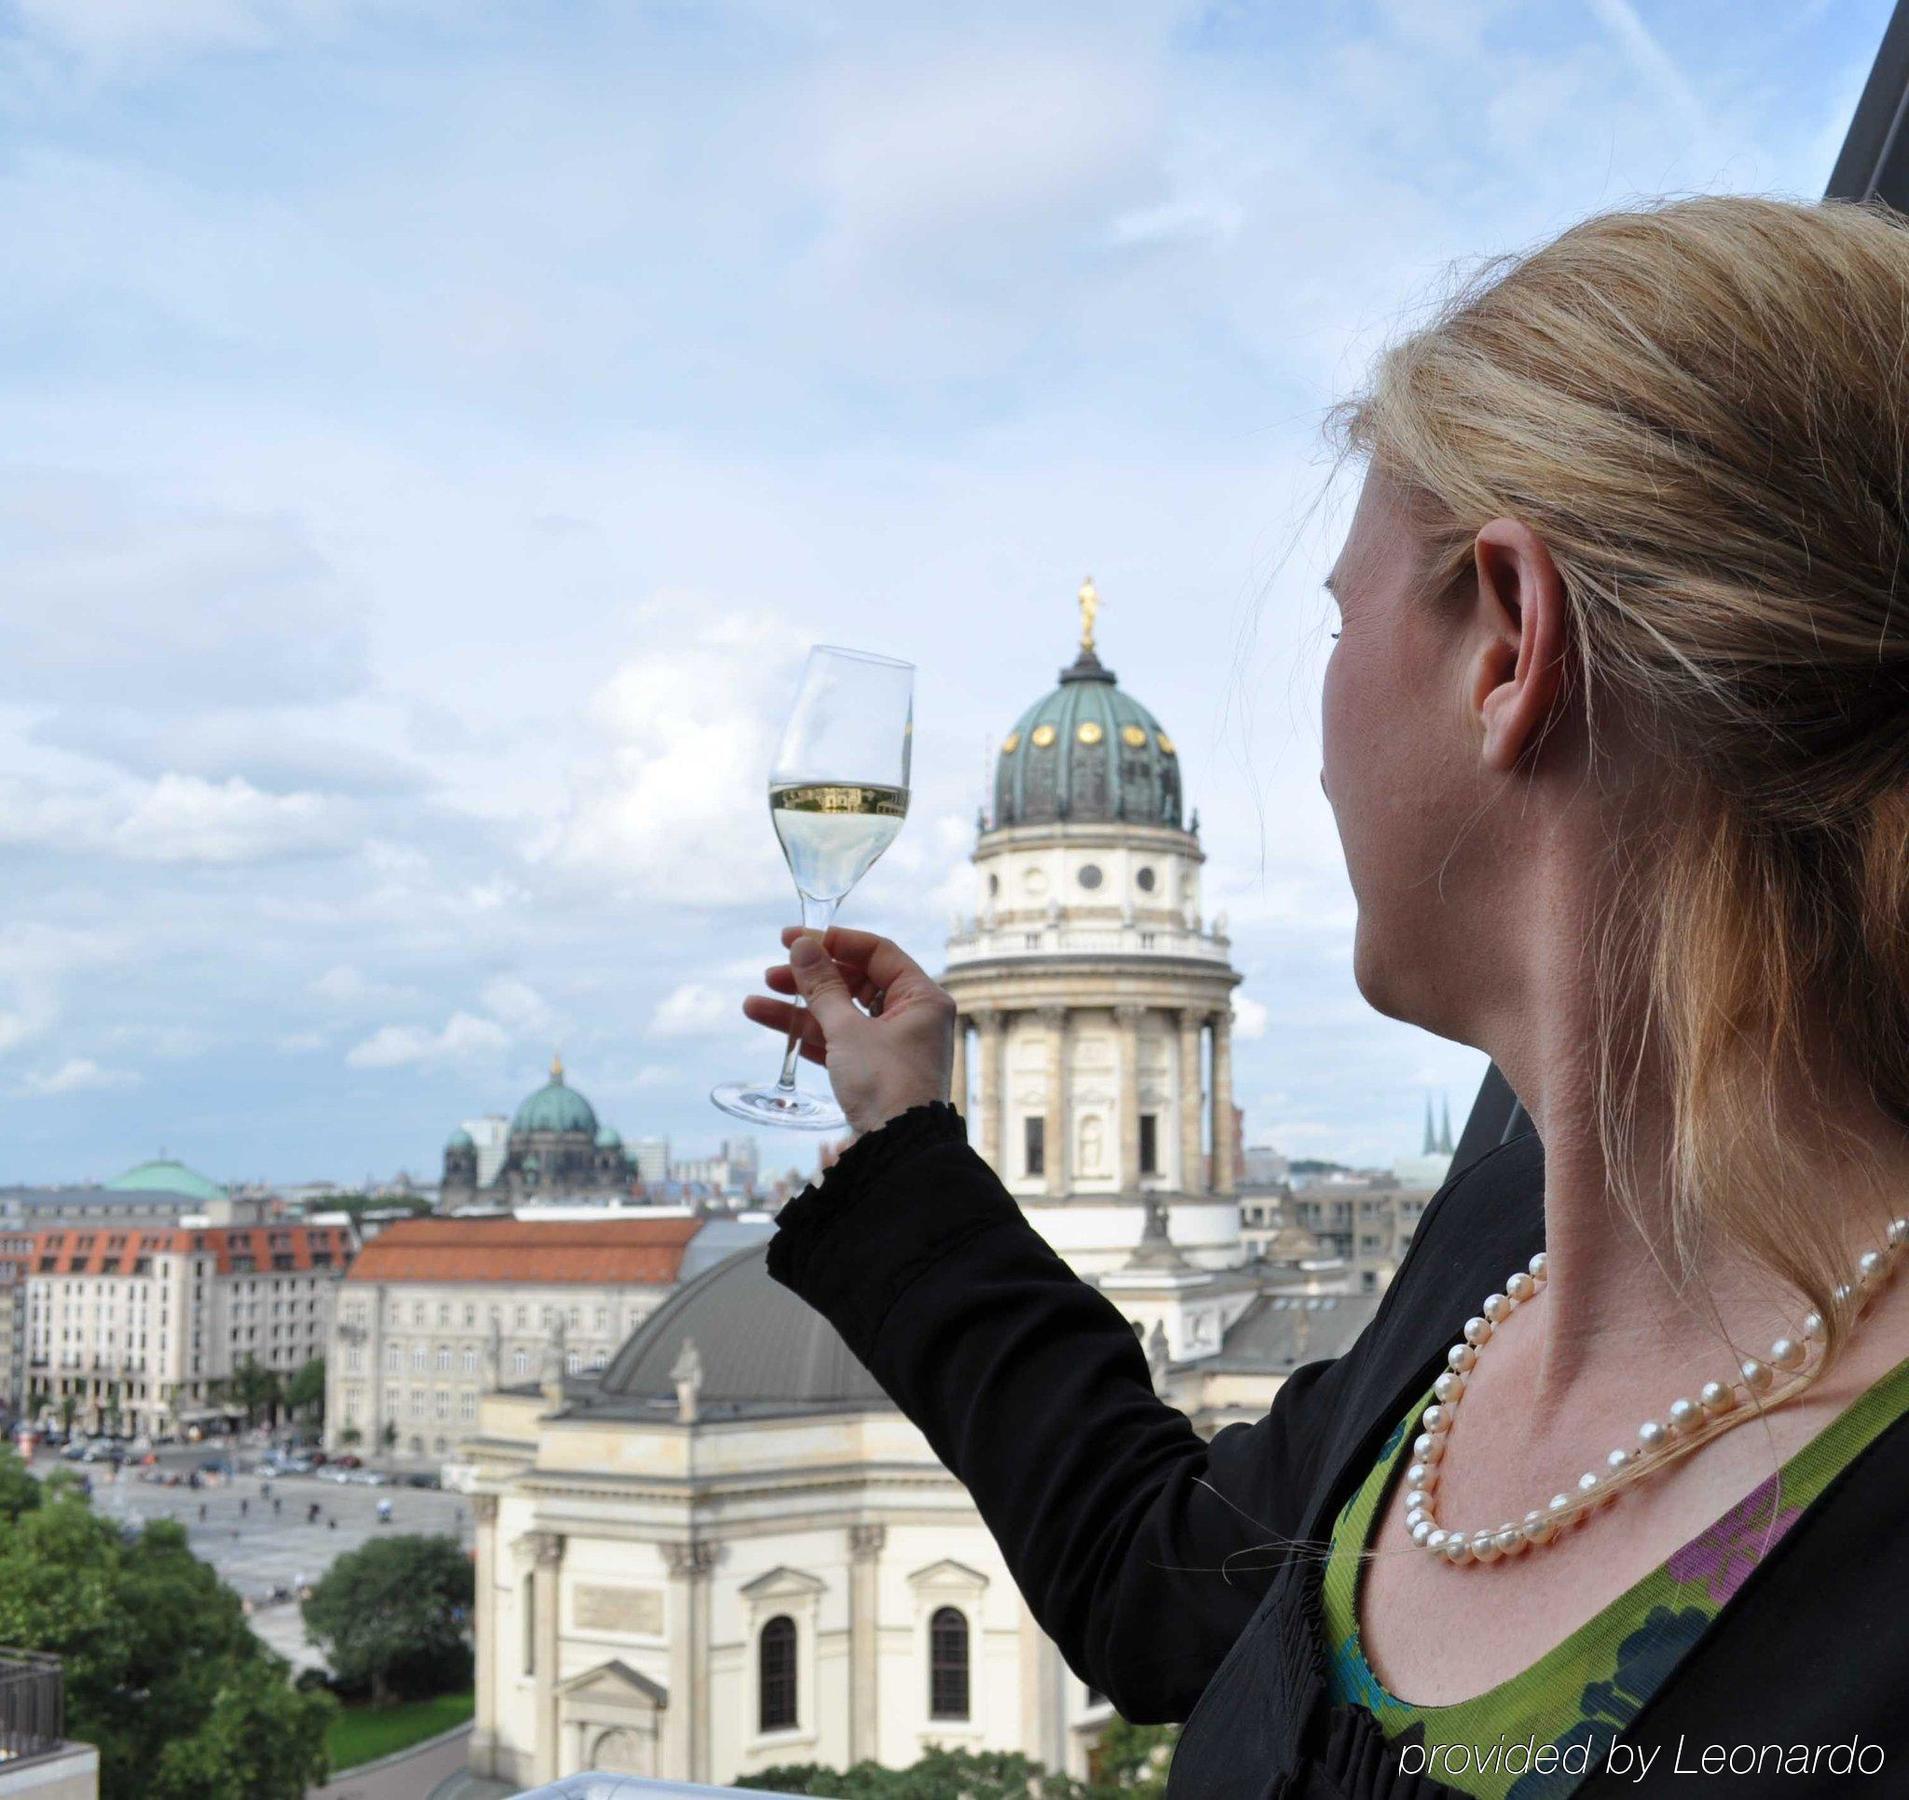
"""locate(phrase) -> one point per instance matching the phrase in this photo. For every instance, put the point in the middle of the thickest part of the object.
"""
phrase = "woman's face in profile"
(1402, 769)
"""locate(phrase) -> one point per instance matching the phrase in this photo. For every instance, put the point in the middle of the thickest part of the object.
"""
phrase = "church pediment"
(948, 1574)
(614, 1682)
(782, 1583)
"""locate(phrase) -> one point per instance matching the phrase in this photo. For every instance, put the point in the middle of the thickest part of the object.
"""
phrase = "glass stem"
(817, 915)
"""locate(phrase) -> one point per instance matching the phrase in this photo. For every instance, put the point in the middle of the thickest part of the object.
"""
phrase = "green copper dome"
(554, 1107)
(1087, 753)
(460, 1139)
(166, 1177)
(607, 1139)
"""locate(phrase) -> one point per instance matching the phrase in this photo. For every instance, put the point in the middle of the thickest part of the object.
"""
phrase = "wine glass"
(838, 792)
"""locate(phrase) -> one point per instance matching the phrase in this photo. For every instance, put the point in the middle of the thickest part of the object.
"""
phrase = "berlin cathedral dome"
(556, 1150)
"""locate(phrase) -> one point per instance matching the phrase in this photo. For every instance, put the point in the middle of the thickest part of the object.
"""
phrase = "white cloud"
(677, 807)
(77, 1075)
(464, 1038)
(1249, 1017)
(696, 1009)
(175, 819)
(518, 1006)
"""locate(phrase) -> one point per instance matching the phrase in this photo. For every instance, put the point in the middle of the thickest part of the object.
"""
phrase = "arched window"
(776, 1673)
(948, 1664)
(520, 1362)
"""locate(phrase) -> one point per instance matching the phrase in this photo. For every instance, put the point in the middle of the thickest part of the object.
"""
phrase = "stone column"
(1191, 1181)
(1127, 1036)
(994, 1025)
(483, 1755)
(546, 1549)
(1054, 1022)
(864, 1641)
(958, 1078)
(1222, 1127)
(686, 1718)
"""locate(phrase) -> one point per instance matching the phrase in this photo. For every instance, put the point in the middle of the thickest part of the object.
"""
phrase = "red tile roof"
(239, 1249)
(596, 1251)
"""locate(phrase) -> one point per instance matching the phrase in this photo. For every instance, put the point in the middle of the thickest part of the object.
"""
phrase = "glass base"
(789, 1108)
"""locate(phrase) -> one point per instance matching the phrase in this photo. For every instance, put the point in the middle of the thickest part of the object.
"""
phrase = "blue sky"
(433, 431)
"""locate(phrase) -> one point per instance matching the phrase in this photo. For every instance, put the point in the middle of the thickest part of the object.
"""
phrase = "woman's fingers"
(779, 1015)
(782, 978)
(881, 959)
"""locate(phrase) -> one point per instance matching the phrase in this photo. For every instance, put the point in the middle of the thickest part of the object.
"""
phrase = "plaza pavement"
(254, 1548)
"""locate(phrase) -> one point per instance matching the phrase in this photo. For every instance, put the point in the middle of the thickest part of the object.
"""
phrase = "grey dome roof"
(760, 1347)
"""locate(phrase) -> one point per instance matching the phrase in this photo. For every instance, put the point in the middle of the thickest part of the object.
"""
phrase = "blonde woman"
(1610, 1496)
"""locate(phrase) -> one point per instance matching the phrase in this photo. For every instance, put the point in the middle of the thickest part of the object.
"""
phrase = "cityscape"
(524, 1355)
(438, 437)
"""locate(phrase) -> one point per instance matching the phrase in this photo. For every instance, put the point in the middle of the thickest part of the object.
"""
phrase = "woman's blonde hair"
(1702, 407)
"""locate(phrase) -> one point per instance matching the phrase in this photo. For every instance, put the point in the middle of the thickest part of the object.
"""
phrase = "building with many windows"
(143, 1325)
(730, 1550)
(437, 1311)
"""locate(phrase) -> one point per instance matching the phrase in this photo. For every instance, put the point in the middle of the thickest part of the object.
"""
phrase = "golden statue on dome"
(1089, 610)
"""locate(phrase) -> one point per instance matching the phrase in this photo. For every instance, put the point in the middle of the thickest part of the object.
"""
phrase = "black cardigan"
(1151, 1556)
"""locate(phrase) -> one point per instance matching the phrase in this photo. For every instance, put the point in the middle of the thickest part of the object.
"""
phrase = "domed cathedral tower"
(556, 1150)
(1094, 1056)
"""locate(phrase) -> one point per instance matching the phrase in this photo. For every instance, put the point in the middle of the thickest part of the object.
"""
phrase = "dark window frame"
(949, 1665)
(777, 1692)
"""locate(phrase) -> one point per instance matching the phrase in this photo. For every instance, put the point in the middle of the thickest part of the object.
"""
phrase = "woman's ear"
(1521, 627)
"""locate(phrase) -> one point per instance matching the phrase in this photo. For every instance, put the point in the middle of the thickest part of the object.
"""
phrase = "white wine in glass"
(838, 793)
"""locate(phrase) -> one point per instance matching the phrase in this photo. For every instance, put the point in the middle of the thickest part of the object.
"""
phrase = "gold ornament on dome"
(1042, 735)
(1089, 598)
(1010, 743)
(1166, 745)
(1088, 732)
(1133, 737)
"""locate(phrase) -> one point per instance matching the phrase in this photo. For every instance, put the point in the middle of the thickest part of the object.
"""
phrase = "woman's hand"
(893, 1050)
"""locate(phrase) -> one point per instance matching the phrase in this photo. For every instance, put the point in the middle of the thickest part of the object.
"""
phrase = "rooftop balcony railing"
(32, 1705)
(635, 1787)
(981, 942)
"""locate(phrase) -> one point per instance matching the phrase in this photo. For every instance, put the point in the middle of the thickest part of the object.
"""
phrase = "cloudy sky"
(433, 431)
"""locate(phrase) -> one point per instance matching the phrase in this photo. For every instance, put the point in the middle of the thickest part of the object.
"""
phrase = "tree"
(305, 1392)
(162, 1672)
(255, 1389)
(1130, 1760)
(19, 1492)
(388, 1437)
(394, 1617)
(68, 1407)
(351, 1437)
(261, 1737)
(939, 1775)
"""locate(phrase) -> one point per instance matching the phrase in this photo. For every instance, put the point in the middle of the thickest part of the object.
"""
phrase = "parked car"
(216, 1465)
(348, 1461)
(422, 1481)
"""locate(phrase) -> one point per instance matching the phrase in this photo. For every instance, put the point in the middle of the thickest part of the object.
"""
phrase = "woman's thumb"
(820, 984)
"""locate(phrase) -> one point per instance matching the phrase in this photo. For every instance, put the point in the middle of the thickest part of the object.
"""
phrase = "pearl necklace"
(1685, 1424)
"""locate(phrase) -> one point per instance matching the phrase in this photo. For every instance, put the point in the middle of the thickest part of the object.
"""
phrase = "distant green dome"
(607, 1139)
(554, 1107)
(460, 1139)
(163, 1176)
(1087, 753)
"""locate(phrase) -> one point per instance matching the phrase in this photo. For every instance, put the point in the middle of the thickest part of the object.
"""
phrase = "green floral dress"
(1581, 1694)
